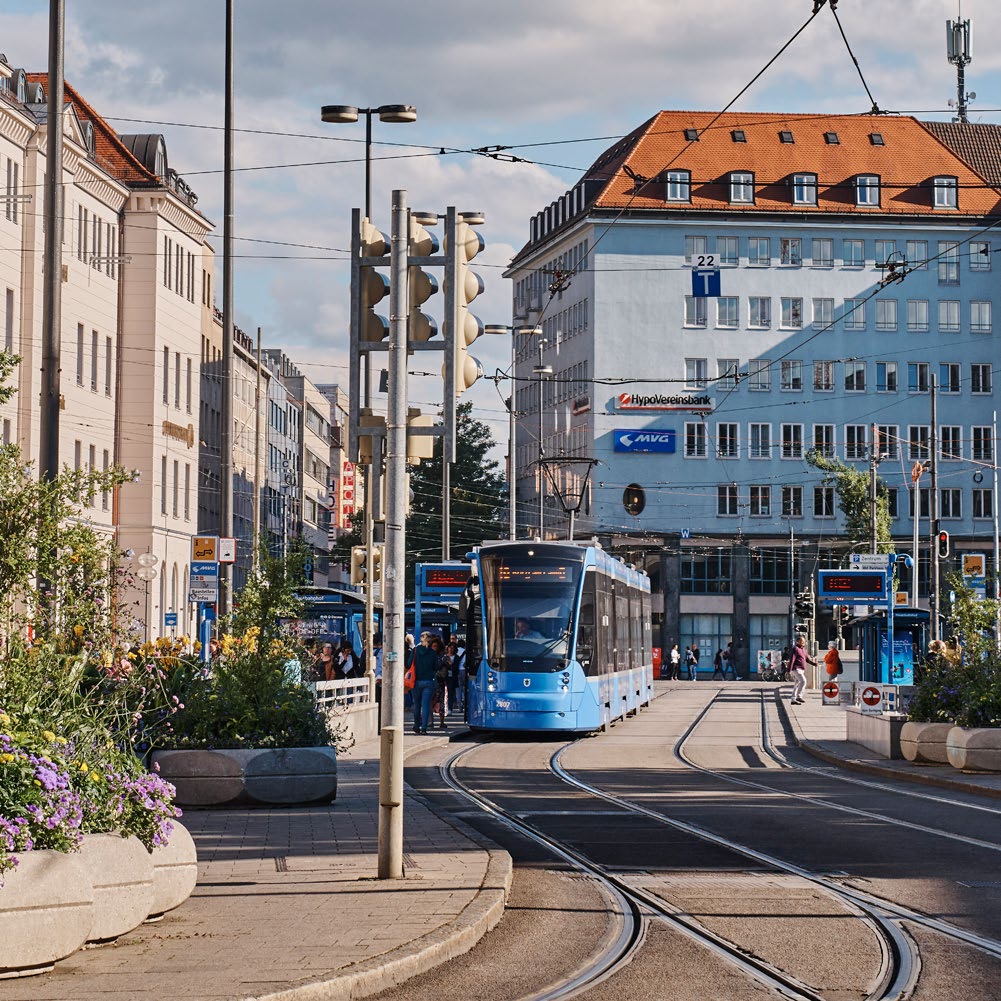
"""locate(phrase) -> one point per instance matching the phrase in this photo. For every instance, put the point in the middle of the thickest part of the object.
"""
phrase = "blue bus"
(558, 637)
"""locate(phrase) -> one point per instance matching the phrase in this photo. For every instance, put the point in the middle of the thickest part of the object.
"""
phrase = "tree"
(270, 593)
(852, 487)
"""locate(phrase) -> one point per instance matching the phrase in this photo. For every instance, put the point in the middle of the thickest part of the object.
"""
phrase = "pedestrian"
(425, 666)
(689, 662)
(718, 665)
(441, 681)
(452, 676)
(797, 669)
(729, 661)
(786, 655)
(693, 671)
(326, 665)
(832, 661)
(675, 663)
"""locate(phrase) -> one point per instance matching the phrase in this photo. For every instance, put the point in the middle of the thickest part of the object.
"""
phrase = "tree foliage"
(270, 592)
(852, 488)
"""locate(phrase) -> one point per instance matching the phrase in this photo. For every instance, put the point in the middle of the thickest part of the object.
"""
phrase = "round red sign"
(831, 690)
(871, 696)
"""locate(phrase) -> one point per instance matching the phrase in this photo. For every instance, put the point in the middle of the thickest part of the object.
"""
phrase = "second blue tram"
(558, 637)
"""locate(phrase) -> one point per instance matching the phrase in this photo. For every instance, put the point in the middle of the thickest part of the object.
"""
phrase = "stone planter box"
(46, 912)
(271, 777)
(975, 749)
(175, 872)
(880, 732)
(121, 874)
(925, 743)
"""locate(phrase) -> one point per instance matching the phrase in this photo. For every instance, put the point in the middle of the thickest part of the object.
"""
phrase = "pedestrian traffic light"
(420, 285)
(462, 286)
(844, 614)
(373, 285)
(943, 545)
(358, 557)
(377, 555)
(804, 605)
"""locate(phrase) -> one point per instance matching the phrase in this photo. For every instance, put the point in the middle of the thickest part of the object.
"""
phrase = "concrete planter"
(175, 872)
(284, 776)
(46, 912)
(924, 743)
(121, 874)
(974, 750)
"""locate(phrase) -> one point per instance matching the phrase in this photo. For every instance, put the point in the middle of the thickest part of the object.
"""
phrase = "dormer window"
(692, 135)
(786, 136)
(946, 192)
(831, 138)
(867, 189)
(741, 187)
(804, 189)
(876, 138)
(738, 136)
(679, 186)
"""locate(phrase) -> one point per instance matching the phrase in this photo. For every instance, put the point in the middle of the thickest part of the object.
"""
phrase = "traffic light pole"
(391, 757)
(934, 511)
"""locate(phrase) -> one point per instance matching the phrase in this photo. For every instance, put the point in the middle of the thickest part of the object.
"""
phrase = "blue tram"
(558, 637)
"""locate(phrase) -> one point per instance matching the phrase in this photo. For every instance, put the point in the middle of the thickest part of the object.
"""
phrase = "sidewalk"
(821, 731)
(288, 905)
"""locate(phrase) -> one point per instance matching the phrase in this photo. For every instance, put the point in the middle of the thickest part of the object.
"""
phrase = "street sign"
(205, 547)
(227, 550)
(872, 701)
(871, 561)
(686, 533)
(831, 694)
(170, 618)
(203, 584)
(705, 283)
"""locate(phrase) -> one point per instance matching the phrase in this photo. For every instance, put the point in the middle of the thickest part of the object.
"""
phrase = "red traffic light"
(943, 544)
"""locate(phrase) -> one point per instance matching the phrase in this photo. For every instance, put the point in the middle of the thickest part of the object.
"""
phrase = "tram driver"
(524, 630)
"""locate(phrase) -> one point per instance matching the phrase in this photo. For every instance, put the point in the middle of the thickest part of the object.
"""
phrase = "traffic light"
(419, 446)
(844, 614)
(462, 286)
(377, 555)
(374, 286)
(358, 555)
(421, 285)
(943, 545)
(804, 605)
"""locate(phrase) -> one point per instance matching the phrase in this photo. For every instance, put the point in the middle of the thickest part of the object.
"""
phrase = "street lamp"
(512, 489)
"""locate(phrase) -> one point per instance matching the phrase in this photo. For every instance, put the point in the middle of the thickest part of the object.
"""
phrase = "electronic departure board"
(851, 585)
(535, 572)
(445, 577)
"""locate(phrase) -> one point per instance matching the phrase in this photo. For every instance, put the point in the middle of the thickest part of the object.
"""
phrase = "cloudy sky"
(555, 80)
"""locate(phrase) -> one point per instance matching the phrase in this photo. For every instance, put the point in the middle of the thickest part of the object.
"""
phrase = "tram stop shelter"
(910, 640)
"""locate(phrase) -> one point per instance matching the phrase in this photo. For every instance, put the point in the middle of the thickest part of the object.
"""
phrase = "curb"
(868, 768)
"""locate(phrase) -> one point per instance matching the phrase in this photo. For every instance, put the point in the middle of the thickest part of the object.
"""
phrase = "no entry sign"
(832, 693)
(872, 700)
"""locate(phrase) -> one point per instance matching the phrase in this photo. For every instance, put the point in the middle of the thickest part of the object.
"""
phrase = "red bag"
(410, 676)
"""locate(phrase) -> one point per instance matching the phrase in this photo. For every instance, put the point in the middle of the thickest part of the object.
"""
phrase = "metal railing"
(347, 693)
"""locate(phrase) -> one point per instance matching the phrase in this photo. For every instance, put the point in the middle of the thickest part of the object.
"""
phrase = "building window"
(948, 377)
(105, 460)
(792, 376)
(983, 444)
(918, 442)
(950, 441)
(187, 491)
(876, 139)
(924, 503)
(79, 354)
(177, 487)
(884, 250)
(759, 374)
(727, 312)
(695, 250)
(886, 377)
(948, 262)
(823, 313)
(759, 251)
(854, 314)
(980, 317)
(761, 501)
(791, 252)
(760, 311)
(918, 377)
(804, 189)
(917, 316)
(823, 376)
(695, 311)
(727, 441)
(886, 314)
(107, 366)
(187, 386)
(792, 313)
(695, 441)
(163, 484)
(867, 190)
(741, 187)
(823, 502)
(948, 316)
(792, 441)
(738, 135)
(94, 351)
(166, 375)
(727, 250)
(8, 325)
(981, 378)
(951, 503)
(889, 440)
(892, 504)
(785, 136)
(854, 253)
(823, 440)
(823, 253)
(946, 190)
(77, 455)
(792, 502)
(696, 373)
(983, 502)
(679, 185)
(726, 500)
(916, 253)
(980, 255)
(856, 442)
(760, 441)
(706, 573)
(831, 138)
(854, 376)
(726, 373)
(177, 380)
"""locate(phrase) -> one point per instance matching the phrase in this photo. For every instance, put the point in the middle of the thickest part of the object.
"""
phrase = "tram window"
(470, 604)
(621, 628)
(585, 625)
(635, 628)
(606, 641)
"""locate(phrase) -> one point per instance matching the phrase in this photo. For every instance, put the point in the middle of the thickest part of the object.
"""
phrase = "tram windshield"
(529, 603)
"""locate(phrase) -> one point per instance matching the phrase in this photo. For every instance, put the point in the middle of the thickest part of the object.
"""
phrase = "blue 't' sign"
(705, 283)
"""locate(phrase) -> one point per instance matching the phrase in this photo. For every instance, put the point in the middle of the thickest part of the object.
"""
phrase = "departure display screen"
(441, 578)
(852, 583)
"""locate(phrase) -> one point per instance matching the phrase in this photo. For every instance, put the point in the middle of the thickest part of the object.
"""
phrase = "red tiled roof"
(906, 162)
(109, 151)
(979, 144)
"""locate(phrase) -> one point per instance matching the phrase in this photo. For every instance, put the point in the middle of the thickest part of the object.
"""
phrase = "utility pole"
(997, 537)
(934, 511)
(256, 533)
(391, 757)
(873, 464)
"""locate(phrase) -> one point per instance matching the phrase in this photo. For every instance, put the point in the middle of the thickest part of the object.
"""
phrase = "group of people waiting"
(439, 680)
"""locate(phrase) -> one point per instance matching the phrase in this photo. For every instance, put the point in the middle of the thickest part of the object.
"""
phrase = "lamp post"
(346, 114)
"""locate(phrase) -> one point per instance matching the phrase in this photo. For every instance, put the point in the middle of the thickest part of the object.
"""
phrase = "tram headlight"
(566, 677)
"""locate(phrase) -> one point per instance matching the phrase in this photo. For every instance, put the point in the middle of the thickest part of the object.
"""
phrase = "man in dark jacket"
(425, 665)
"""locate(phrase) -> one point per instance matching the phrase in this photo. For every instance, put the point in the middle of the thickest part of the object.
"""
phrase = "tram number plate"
(503, 704)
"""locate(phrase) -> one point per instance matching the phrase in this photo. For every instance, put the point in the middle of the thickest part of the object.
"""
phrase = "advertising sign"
(902, 670)
(644, 441)
(646, 402)
(975, 572)
(346, 495)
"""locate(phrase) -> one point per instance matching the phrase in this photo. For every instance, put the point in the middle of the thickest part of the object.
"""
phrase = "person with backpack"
(832, 661)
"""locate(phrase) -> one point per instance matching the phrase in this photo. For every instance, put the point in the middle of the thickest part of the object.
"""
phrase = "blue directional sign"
(705, 283)
(644, 441)
(170, 618)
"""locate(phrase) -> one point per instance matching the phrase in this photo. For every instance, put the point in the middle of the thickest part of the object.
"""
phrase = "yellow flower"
(61, 740)
(6, 757)
(94, 777)
(48, 735)
(4, 718)
(37, 783)
(78, 631)
(84, 767)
